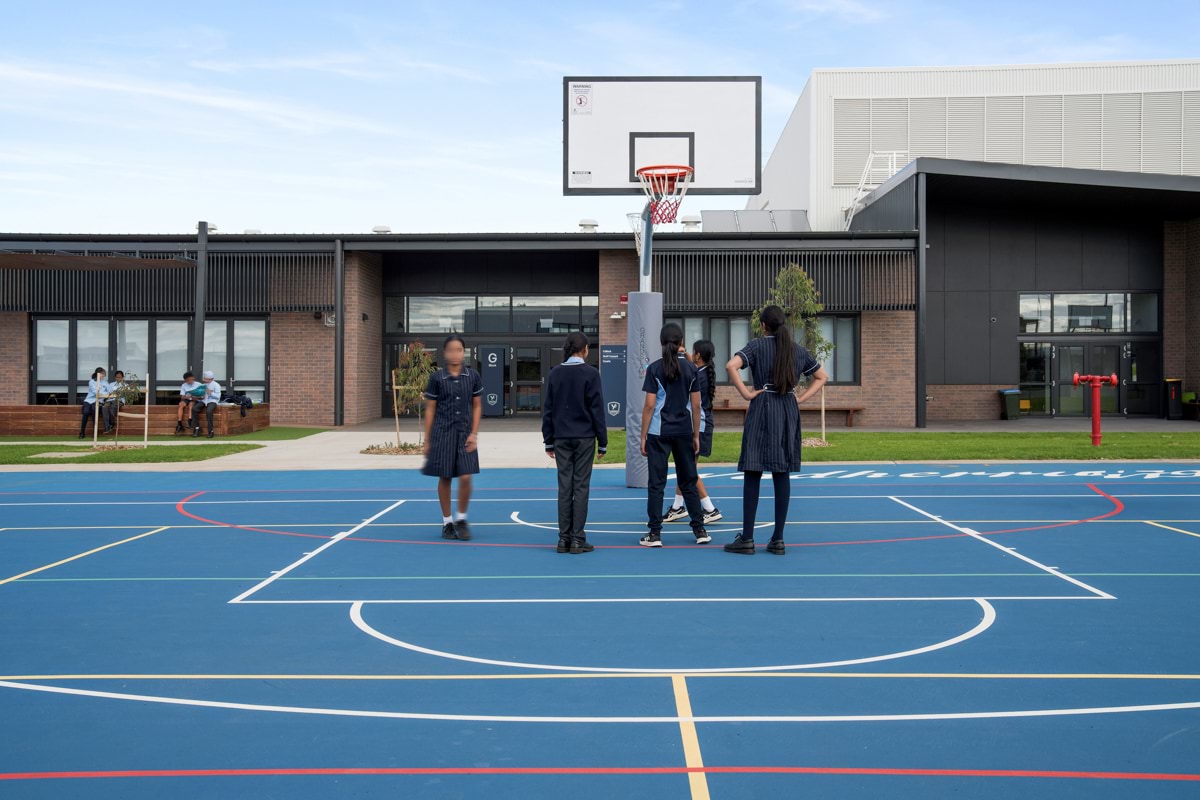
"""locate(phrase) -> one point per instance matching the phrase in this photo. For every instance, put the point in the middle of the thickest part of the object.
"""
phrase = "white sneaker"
(650, 540)
(675, 514)
(712, 516)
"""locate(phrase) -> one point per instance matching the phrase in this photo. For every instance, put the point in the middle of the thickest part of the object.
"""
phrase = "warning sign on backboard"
(581, 98)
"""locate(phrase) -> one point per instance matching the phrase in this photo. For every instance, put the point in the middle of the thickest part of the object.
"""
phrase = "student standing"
(453, 407)
(112, 404)
(771, 437)
(572, 425)
(706, 375)
(97, 386)
(671, 427)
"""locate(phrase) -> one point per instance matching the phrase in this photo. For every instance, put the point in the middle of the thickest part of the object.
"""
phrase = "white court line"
(733, 528)
(675, 720)
(976, 535)
(535, 600)
(989, 616)
(277, 575)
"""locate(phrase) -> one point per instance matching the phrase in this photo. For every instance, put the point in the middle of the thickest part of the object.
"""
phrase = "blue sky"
(136, 117)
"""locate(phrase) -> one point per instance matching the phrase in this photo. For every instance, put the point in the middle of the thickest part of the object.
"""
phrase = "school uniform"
(572, 425)
(212, 396)
(454, 395)
(706, 413)
(95, 388)
(771, 436)
(670, 434)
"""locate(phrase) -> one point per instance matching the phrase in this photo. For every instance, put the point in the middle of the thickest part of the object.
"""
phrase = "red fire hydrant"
(1096, 381)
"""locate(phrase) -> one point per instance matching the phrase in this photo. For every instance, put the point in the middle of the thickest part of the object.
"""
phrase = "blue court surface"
(1027, 630)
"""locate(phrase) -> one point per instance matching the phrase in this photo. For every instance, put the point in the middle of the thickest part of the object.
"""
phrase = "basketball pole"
(645, 319)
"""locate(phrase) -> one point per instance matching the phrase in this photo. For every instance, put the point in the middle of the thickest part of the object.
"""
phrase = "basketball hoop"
(665, 185)
(635, 223)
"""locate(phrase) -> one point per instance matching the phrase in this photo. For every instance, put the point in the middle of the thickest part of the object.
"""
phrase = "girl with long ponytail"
(671, 425)
(771, 436)
(702, 357)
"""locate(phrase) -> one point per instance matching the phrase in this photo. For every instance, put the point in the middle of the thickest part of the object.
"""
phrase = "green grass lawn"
(272, 434)
(20, 454)
(867, 446)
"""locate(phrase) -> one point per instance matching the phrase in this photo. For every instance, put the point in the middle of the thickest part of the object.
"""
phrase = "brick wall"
(14, 358)
(301, 370)
(364, 338)
(618, 276)
(1175, 317)
(1191, 372)
(953, 402)
(887, 389)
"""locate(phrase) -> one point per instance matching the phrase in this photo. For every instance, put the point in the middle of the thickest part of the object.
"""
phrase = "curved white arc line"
(989, 616)
(516, 517)
(350, 712)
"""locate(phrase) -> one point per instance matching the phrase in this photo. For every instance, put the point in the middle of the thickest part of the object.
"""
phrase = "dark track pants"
(658, 449)
(574, 460)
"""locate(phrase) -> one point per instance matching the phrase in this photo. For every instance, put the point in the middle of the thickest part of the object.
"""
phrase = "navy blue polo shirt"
(672, 399)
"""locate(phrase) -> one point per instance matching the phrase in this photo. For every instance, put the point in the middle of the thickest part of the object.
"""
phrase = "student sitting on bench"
(187, 398)
(212, 396)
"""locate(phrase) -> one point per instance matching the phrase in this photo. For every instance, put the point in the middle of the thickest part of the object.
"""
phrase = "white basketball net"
(635, 223)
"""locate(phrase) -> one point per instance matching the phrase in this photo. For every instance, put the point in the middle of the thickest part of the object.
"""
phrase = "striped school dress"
(455, 394)
(771, 436)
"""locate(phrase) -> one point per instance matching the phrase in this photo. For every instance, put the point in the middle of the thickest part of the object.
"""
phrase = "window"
(730, 334)
(842, 333)
(393, 315)
(1035, 313)
(441, 314)
(66, 351)
(495, 314)
(545, 314)
(590, 306)
(1089, 312)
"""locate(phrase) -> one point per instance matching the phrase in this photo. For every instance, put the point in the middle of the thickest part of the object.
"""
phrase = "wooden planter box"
(64, 421)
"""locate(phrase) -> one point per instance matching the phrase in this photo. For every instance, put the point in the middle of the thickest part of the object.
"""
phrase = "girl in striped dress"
(771, 437)
(453, 406)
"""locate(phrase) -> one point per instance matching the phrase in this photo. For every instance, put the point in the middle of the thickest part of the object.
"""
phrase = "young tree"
(408, 386)
(795, 293)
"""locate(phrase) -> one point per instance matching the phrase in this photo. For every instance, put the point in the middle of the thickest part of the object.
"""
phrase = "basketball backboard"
(614, 125)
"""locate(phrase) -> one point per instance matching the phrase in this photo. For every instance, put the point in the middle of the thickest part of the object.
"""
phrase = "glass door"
(1105, 359)
(530, 363)
(1092, 358)
(1141, 381)
(1069, 399)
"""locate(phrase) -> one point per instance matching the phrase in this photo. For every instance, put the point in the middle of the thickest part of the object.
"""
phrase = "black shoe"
(196, 433)
(776, 547)
(81, 436)
(463, 531)
(739, 545)
(702, 536)
(179, 427)
(580, 546)
(448, 531)
(675, 514)
(652, 539)
(210, 434)
(564, 543)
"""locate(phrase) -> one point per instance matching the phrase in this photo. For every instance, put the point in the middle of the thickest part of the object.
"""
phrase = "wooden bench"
(64, 421)
(739, 405)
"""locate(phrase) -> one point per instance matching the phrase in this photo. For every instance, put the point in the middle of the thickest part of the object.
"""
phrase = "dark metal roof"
(68, 261)
(1176, 196)
(446, 241)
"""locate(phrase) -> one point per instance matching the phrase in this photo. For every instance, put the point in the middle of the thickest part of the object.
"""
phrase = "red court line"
(747, 770)
(1118, 507)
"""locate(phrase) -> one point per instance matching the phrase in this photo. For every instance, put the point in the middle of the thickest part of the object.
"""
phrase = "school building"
(969, 230)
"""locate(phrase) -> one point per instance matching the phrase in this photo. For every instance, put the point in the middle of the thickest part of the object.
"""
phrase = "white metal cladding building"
(1127, 116)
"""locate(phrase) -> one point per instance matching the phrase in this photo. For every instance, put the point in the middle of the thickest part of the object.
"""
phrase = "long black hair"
(97, 371)
(454, 337)
(671, 337)
(577, 342)
(783, 372)
(704, 348)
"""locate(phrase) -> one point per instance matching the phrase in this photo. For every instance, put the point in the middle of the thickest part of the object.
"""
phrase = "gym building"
(969, 230)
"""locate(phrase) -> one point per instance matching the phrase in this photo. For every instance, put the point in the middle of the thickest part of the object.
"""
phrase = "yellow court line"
(1169, 528)
(617, 675)
(82, 555)
(698, 781)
